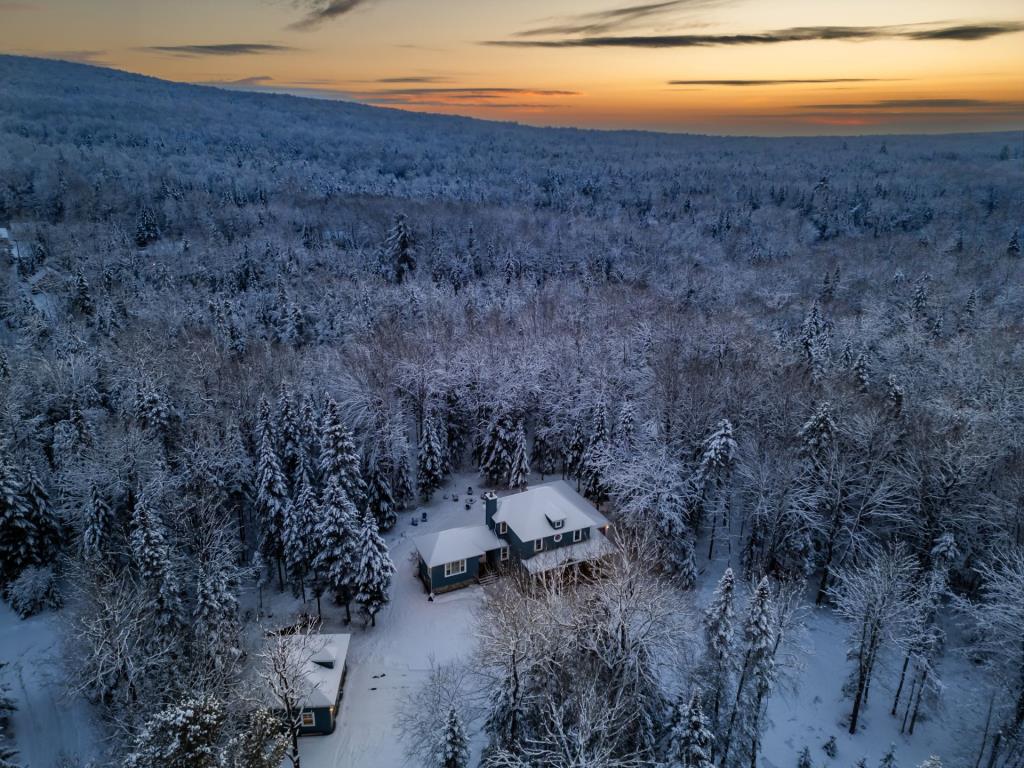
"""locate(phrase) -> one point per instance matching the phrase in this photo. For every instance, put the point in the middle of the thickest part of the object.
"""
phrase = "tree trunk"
(984, 735)
(899, 688)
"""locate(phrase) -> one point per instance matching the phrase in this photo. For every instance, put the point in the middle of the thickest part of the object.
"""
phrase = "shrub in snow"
(33, 591)
(805, 759)
(830, 747)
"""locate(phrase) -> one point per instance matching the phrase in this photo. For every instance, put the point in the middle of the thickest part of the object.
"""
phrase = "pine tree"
(379, 499)
(1013, 248)
(805, 759)
(271, 502)
(373, 569)
(519, 470)
(289, 437)
(43, 517)
(400, 250)
(719, 638)
(499, 449)
(152, 556)
(453, 750)
(430, 464)
(862, 372)
(146, 229)
(818, 434)
(7, 751)
(339, 459)
(216, 624)
(297, 537)
(261, 742)
(309, 439)
(184, 735)
(97, 527)
(404, 494)
(889, 758)
(691, 742)
(18, 534)
(336, 541)
(894, 396)
(717, 460)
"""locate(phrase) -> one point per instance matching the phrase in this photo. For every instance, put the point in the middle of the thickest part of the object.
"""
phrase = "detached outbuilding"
(323, 660)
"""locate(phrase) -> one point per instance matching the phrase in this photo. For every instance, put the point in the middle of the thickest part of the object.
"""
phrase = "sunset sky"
(709, 66)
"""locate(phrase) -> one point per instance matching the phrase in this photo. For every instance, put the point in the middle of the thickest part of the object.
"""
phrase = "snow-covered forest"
(243, 337)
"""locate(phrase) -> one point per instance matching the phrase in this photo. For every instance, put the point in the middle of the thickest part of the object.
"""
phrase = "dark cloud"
(793, 34)
(746, 83)
(614, 18)
(221, 49)
(326, 10)
(484, 93)
(921, 104)
(412, 79)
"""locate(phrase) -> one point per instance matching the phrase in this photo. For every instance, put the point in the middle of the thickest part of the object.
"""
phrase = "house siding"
(439, 583)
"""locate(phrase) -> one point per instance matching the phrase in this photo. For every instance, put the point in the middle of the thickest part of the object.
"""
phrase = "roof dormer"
(556, 521)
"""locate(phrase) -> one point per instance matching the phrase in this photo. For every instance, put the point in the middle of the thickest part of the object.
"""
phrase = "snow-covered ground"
(48, 725)
(387, 661)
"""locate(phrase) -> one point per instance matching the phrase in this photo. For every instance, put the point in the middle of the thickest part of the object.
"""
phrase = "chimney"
(490, 507)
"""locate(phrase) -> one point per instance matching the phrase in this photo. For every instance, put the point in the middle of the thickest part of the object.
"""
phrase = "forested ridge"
(243, 333)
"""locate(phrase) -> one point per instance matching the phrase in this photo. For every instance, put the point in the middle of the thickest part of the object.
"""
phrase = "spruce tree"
(889, 758)
(400, 250)
(339, 460)
(430, 464)
(297, 537)
(289, 437)
(379, 498)
(18, 534)
(719, 639)
(453, 750)
(97, 527)
(804, 760)
(498, 450)
(152, 556)
(8, 753)
(692, 742)
(373, 569)
(862, 372)
(336, 546)
(404, 494)
(216, 620)
(818, 434)
(271, 502)
(43, 517)
(519, 470)
(1013, 248)
(184, 735)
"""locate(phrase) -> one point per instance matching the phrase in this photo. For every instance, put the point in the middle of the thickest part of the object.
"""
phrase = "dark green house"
(548, 526)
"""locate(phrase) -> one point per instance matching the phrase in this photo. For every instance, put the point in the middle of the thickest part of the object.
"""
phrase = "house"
(548, 526)
(324, 659)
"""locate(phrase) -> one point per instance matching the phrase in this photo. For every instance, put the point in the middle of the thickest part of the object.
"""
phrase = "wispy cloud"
(482, 93)
(963, 32)
(412, 79)
(219, 49)
(883, 104)
(810, 81)
(597, 22)
(80, 57)
(241, 83)
(490, 97)
(321, 11)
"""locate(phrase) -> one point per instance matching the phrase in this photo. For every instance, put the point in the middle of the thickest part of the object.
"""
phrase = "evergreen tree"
(379, 499)
(519, 470)
(400, 250)
(18, 534)
(146, 228)
(862, 372)
(261, 742)
(339, 459)
(336, 538)
(184, 735)
(889, 758)
(691, 741)
(403, 487)
(43, 517)
(216, 619)
(805, 759)
(271, 502)
(717, 460)
(373, 569)
(719, 638)
(894, 396)
(453, 751)
(430, 465)
(297, 534)
(152, 556)
(931, 762)
(289, 437)
(7, 751)
(1013, 248)
(309, 439)
(97, 527)
(499, 450)
(818, 435)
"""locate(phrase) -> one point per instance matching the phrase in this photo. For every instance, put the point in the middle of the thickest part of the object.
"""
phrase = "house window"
(502, 527)
(538, 545)
(504, 554)
(456, 568)
(577, 535)
(557, 537)
(558, 524)
(308, 721)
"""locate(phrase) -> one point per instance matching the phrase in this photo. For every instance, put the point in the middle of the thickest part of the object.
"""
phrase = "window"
(456, 568)
(557, 537)
(538, 545)
(502, 527)
(557, 523)
(577, 535)
(308, 721)
(504, 554)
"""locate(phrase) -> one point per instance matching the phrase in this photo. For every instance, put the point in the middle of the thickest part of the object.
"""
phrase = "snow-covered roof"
(456, 544)
(591, 549)
(529, 513)
(323, 682)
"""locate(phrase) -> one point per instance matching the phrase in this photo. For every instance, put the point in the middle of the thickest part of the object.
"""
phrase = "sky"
(735, 67)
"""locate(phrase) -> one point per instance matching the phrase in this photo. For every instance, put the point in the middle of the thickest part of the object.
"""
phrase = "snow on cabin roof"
(323, 683)
(456, 544)
(591, 549)
(529, 513)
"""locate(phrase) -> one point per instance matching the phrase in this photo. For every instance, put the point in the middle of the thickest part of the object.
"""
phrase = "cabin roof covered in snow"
(529, 513)
(591, 549)
(323, 681)
(455, 544)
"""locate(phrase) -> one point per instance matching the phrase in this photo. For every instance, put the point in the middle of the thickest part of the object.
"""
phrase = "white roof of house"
(591, 549)
(529, 513)
(322, 683)
(456, 544)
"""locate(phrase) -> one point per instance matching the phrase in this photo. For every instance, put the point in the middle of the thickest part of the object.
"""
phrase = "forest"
(243, 336)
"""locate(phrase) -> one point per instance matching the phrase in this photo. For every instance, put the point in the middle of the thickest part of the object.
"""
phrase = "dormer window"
(556, 522)
(502, 528)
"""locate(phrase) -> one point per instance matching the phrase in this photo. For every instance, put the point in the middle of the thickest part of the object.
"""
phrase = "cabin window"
(308, 721)
(577, 535)
(538, 545)
(558, 524)
(504, 554)
(557, 537)
(455, 568)
(502, 527)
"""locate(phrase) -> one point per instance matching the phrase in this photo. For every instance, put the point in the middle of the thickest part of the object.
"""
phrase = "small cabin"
(325, 671)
